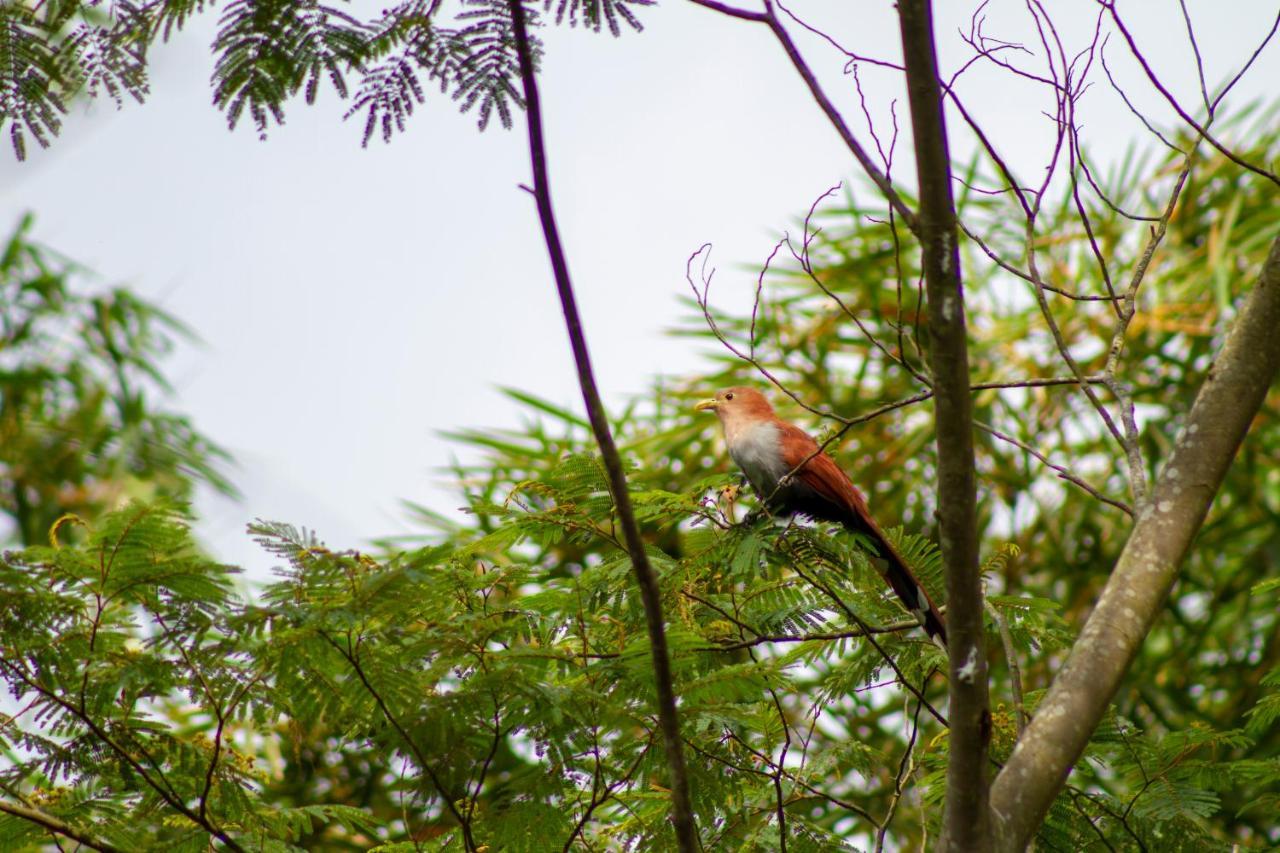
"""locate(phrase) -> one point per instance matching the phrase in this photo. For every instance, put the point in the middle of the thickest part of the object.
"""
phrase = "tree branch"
(1230, 397)
(770, 19)
(681, 809)
(58, 826)
(964, 824)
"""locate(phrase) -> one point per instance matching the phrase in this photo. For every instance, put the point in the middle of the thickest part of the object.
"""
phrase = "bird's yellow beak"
(706, 405)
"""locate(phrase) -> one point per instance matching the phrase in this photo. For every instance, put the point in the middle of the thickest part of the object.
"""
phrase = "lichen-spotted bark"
(964, 824)
(1167, 523)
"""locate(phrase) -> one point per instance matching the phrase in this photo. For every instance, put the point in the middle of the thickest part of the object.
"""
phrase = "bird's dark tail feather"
(903, 581)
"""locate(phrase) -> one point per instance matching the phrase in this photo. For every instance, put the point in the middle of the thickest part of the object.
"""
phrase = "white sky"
(354, 302)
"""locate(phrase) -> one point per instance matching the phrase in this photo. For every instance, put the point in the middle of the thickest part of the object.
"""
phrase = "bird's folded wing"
(820, 473)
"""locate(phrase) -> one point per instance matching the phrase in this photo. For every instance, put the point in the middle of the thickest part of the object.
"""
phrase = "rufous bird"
(792, 474)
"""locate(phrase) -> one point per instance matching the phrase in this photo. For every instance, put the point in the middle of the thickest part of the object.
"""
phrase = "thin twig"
(1015, 671)
(1063, 473)
(1203, 131)
(905, 766)
(770, 19)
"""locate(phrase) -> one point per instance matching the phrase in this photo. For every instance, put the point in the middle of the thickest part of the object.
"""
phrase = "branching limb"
(770, 19)
(1202, 130)
(1227, 402)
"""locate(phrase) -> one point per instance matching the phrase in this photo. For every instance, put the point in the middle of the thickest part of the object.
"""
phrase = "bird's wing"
(837, 499)
(820, 472)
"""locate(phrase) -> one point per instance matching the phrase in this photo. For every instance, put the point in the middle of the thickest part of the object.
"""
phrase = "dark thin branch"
(880, 179)
(870, 638)
(609, 791)
(780, 809)
(646, 580)
(161, 787)
(965, 824)
(1129, 104)
(1236, 79)
(761, 639)
(1075, 801)
(1063, 473)
(350, 655)
(853, 58)
(764, 759)
(1088, 176)
(770, 19)
(905, 766)
(1203, 131)
(1195, 49)
(58, 826)
(725, 9)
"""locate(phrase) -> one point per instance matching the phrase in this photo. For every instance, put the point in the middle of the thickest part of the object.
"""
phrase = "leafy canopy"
(268, 52)
(490, 684)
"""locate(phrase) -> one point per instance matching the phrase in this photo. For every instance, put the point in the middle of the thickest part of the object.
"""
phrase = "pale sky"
(354, 303)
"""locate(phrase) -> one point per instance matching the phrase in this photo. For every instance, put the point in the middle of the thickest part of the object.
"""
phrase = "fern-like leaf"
(268, 50)
(29, 80)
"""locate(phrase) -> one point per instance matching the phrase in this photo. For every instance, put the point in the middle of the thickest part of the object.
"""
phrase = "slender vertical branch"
(668, 720)
(1228, 400)
(965, 826)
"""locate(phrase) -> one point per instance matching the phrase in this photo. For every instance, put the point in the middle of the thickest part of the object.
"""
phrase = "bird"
(792, 474)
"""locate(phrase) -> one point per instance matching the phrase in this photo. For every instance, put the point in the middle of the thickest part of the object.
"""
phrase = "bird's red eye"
(729, 396)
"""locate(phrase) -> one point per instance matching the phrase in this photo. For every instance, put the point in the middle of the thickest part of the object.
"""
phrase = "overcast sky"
(354, 303)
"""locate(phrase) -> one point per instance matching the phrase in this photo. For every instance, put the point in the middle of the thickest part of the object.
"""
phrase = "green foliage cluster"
(268, 52)
(489, 687)
(80, 427)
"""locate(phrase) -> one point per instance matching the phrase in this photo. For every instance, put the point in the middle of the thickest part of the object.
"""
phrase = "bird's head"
(737, 404)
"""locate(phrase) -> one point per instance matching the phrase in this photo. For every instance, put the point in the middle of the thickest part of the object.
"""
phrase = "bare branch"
(1195, 48)
(1063, 473)
(1129, 104)
(1203, 131)
(770, 18)
(1236, 79)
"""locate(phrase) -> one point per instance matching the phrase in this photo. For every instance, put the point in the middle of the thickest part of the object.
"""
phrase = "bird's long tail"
(903, 581)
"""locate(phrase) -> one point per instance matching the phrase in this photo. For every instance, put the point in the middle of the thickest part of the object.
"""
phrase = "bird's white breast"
(756, 448)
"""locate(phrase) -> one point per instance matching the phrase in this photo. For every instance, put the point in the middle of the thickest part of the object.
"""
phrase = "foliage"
(268, 52)
(490, 686)
(80, 430)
